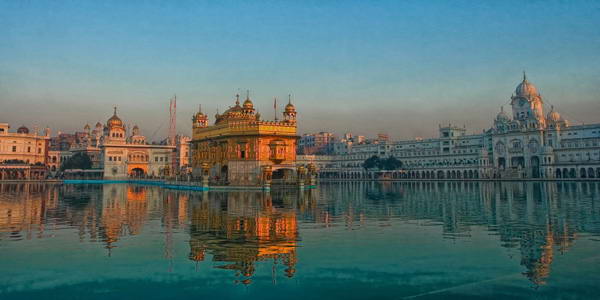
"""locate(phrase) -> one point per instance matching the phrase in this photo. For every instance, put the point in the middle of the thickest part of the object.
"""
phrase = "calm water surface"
(350, 240)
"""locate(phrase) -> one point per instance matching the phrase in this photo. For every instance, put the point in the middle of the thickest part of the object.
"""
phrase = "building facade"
(528, 144)
(125, 156)
(240, 146)
(316, 143)
(23, 154)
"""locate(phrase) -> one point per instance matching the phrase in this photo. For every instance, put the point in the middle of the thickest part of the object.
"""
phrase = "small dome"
(114, 121)
(553, 115)
(199, 115)
(248, 104)
(98, 125)
(502, 116)
(526, 88)
(290, 107)
(23, 129)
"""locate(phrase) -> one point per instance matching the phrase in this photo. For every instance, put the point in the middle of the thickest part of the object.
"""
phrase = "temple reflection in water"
(241, 228)
(239, 231)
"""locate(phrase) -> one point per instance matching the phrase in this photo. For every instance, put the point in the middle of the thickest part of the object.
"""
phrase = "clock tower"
(527, 105)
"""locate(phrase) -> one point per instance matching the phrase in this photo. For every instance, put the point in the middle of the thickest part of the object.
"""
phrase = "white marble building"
(530, 144)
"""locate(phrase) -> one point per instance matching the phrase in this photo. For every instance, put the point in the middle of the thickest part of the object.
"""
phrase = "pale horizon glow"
(400, 68)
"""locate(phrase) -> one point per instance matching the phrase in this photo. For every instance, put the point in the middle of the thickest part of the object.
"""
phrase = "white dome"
(553, 116)
(526, 88)
(502, 116)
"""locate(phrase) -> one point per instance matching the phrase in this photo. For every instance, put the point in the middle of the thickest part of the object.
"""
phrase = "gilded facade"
(239, 147)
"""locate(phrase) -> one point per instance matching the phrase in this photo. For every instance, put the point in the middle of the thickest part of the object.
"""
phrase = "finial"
(247, 94)
(502, 108)
(237, 99)
(200, 108)
(524, 76)
(552, 107)
(115, 112)
(289, 98)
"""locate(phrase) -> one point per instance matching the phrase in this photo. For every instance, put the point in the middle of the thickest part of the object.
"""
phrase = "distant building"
(182, 154)
(528, 145)
(131, 156)
(23, 154)
(316, 143)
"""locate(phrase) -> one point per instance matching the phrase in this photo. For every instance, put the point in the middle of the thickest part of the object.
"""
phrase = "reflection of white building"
(531, 144)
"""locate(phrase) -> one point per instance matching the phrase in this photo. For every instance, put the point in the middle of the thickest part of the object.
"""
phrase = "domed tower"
(136, 136)
(289, 114)
(248, 106)
(527, 104)
(502, 120)
(23, 130)
(199, 120)
(116, 129)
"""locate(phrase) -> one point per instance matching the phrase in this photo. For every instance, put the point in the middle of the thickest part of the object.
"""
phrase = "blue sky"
(400, 67)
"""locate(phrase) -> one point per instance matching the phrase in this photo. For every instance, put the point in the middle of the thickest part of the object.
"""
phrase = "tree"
(391, 163)
(78, 161)
(372, 162)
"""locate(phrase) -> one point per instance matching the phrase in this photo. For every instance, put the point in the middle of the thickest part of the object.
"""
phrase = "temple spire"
(524, 76)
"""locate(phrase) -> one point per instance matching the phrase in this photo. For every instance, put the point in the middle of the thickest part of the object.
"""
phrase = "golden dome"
(114, 121)
(248, 104)
(200, 115)
(290, 107)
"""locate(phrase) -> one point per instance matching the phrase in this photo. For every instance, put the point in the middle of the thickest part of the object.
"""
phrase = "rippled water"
(351, 240)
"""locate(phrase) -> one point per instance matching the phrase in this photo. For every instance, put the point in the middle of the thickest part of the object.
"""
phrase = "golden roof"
(114, 121)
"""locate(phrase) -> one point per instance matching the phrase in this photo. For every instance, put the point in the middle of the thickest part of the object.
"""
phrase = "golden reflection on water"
(239, 229)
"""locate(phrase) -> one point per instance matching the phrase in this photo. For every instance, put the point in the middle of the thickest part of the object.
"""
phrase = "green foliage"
(77, 161)
(390, 163)
(372, 162)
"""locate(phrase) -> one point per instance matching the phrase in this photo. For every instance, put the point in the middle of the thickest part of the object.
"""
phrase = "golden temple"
(242, 149)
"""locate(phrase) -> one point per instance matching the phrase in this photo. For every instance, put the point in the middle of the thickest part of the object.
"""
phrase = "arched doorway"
(223, 175)
(137, 172)
(535, 167)
(501, 163)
